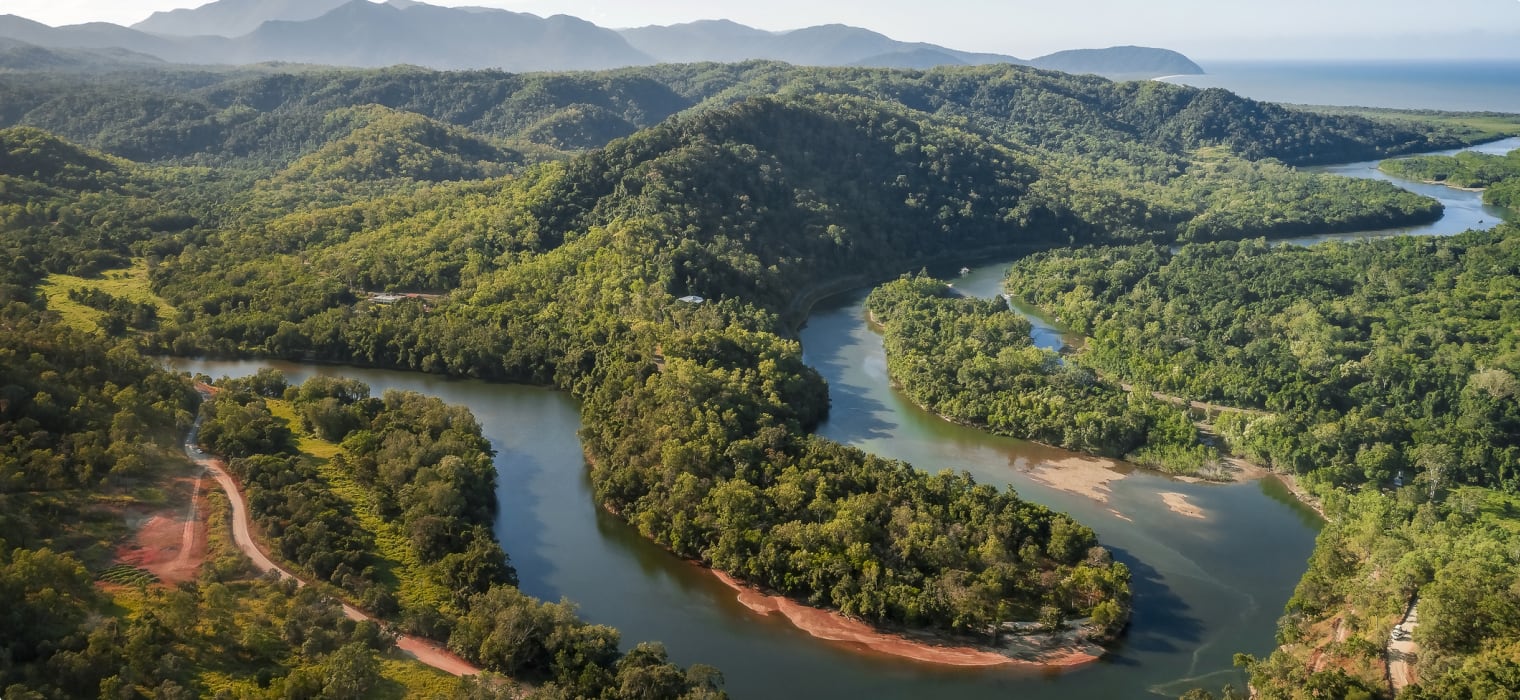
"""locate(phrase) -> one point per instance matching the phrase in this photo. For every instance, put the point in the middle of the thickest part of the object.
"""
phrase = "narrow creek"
(1205, 588)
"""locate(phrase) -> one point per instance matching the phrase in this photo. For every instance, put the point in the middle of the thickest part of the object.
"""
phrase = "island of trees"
(1498, 176)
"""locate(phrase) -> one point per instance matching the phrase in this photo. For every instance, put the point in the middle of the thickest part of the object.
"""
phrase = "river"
(1204, 588)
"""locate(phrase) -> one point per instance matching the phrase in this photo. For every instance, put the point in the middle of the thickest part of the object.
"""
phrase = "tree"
(350, 673)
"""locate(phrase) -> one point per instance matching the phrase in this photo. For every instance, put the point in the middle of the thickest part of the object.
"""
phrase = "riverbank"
(1299, 492)
(1045, 651)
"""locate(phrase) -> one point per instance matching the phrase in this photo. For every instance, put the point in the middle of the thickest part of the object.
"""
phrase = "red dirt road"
(242, 533)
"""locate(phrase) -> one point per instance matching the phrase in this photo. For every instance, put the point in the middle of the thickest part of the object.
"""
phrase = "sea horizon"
(1433, 84)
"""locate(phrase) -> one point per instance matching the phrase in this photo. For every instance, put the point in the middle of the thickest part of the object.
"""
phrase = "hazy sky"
(1203, 28)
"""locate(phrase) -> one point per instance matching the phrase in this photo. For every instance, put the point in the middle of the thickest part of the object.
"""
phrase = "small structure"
(965, 271)
(387, 298)
(1398, 481)
(693, 299)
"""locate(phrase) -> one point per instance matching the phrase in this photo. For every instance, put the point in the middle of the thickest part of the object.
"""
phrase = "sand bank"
(1180, 505)
(1084, 477)
(834, 627)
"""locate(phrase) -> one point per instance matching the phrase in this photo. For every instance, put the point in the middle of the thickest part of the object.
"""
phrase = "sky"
(1220, 29)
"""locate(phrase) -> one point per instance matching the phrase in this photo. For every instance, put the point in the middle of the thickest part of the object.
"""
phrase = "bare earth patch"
(171, 543)
(838, 628)
(1179, 504)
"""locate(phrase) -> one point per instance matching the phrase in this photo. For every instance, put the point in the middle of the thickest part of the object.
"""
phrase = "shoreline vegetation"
(1496, 176)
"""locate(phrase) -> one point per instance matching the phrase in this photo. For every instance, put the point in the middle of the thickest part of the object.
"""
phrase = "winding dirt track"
(242, 533)
(1403, 652)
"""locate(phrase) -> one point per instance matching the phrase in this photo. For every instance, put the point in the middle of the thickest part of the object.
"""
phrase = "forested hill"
(385, 144)
(266, 118)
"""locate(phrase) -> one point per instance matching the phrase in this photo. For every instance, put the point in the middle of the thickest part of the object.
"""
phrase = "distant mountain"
(360, 33)
(233, 18)
(1124, 61)
(21, 56)
(913, 59)
(825, 45)
(100, 35)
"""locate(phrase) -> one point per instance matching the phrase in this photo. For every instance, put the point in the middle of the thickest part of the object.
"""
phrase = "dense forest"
(1377, 365)
(1371, 359)
(88, 424)
(1451, 555)
(582, 277)
(557, 220)
(972, 360)
(1465, 169)
(270, 117)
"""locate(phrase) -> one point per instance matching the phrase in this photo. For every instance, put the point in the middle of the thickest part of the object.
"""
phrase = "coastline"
(834, 627)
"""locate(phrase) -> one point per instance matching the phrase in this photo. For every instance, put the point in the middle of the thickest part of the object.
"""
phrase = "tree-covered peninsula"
(972, 360)
(1498, 176)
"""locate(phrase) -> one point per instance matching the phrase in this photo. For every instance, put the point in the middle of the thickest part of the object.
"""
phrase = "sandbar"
(1181, 506)
(835, 627)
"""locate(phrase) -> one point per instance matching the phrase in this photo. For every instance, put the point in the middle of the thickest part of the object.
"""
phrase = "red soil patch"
(171, 544)
(838, 628)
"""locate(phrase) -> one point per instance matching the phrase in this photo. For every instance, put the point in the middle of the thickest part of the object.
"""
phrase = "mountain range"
(360, 33)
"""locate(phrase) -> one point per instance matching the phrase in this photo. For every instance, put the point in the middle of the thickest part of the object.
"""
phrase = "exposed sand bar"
(1181, 506)
(1084, 477)
(838, 628)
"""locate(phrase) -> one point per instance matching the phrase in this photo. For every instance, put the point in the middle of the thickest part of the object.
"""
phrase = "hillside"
(385, 144)
(21, 56)
(40, 157)
(275, 118)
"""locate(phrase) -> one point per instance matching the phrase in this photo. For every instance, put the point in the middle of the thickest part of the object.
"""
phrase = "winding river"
(1205, 588)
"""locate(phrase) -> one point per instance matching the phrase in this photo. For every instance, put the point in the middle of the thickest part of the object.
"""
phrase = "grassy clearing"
(397, 564)
(128, 283)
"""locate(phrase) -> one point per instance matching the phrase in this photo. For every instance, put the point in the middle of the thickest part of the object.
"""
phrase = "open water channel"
(1205, 588)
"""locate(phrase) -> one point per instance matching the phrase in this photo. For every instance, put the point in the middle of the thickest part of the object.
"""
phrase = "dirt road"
(1403, 652)
(242, 533)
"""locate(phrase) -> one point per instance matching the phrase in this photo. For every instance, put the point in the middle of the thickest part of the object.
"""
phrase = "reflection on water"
(1196, 605)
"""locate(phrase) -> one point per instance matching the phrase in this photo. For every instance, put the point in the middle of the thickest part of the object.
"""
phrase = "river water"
(1204, 588)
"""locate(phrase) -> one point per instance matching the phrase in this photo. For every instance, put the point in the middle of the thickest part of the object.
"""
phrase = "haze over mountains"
(360, 33)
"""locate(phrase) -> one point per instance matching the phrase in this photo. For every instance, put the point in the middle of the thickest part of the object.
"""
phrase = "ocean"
(1459, 86)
